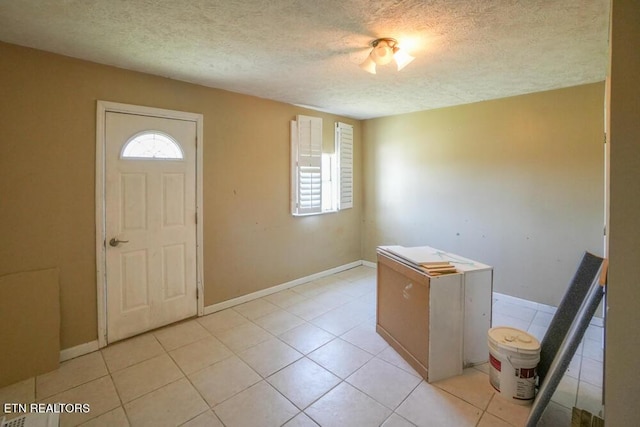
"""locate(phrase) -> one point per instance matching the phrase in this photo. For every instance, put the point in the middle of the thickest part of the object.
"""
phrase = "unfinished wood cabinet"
(420, 317)
(403, 318)
(427, 319)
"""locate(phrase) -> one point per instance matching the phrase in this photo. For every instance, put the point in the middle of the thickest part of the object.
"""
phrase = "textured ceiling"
(306, 52)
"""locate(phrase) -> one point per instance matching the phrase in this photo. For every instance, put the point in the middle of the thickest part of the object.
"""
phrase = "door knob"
(115, 242)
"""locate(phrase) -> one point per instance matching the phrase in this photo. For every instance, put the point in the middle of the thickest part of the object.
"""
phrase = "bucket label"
(494, 372)
(526, 384)
(495, 362)
(526, 372)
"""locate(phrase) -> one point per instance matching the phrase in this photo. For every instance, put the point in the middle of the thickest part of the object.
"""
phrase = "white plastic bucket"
(513, 359)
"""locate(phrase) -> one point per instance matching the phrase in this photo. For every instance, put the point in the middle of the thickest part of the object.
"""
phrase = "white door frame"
(102, 108)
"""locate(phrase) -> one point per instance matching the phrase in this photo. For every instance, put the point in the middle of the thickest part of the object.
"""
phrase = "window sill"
(318, 213)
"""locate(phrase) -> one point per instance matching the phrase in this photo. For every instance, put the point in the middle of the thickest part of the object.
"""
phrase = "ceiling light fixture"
(384, 51)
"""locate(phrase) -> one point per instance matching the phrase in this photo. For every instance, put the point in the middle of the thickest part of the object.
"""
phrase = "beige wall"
(516, 183)
(47, 182)
(29, 301)
(622, 339)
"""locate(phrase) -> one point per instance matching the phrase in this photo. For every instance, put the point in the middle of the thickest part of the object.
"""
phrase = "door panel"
(135, 290)
(173, 200)
(133, 202)
(174, 271)
(150, 212)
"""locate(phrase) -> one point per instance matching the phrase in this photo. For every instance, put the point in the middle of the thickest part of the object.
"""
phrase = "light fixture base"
(390, 42)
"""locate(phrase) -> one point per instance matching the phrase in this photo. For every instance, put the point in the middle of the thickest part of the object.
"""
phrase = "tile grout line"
(234, 353)
(109, 373)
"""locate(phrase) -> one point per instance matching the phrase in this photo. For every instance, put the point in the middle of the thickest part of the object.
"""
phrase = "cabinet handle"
(405, 291)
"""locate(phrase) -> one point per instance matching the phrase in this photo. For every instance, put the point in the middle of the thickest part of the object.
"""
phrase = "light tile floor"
(306, 356)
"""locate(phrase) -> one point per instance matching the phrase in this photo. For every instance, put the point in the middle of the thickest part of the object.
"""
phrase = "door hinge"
(197, 293)
(196, 217)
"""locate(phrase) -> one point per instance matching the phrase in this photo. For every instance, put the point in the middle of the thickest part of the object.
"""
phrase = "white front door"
(150, 222)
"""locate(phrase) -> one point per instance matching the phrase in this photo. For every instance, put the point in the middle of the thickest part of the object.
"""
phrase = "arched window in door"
(152, 145)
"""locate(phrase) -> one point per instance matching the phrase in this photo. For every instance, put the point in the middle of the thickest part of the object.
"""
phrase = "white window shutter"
(306, 168)
(344, 138)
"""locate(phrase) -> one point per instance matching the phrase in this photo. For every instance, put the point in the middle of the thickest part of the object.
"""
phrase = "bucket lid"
(514, 339)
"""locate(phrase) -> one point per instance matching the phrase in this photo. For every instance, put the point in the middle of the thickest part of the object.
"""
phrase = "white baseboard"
(369, 264)
(79, 350)
(597, 320)
(516, 300)
(89, 347)
(277, 288)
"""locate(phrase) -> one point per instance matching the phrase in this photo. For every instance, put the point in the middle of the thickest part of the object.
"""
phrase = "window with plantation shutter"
(306, 165)
(344, 148)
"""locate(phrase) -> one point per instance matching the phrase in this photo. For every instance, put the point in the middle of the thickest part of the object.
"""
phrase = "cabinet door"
(403, 307)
